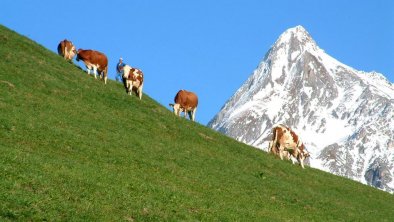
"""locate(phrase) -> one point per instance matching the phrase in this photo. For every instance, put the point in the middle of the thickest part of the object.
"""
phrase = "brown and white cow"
(133, 78)
(95, 61)
(66, 49)
(286, 143)
(186, 102)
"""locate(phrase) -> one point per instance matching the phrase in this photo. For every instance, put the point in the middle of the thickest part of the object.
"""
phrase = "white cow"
(286, 143)
(133, 78)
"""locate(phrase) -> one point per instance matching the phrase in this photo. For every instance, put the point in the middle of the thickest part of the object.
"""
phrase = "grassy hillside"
(73, 149)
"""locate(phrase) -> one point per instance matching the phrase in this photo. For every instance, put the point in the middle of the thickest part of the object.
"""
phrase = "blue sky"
(208, 46)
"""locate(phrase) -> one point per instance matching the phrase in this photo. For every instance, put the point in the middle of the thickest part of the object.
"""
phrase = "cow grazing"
(133, 78)
(286, 143)
(185, 102)
(95, 61)
(66, 49)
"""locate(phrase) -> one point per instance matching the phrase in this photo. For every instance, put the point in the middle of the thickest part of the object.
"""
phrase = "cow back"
(283, 135)
(93, 57)
(187, 100)
(133, 74)
(137, 77)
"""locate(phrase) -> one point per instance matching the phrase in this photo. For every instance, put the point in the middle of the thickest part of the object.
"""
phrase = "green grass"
(73, 149)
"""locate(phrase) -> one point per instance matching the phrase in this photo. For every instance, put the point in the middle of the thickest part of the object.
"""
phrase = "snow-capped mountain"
(345, 117)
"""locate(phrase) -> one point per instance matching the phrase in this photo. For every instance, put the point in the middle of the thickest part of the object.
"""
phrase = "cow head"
(176, 108)
(126, 71)
(72, 53)
(74, 50)
(77, 52)
(306, 154)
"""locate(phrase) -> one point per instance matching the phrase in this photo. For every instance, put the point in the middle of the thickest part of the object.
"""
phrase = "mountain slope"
(344, 116)
(73, 149)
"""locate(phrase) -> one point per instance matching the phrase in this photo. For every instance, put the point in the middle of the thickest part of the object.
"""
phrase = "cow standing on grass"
(186, 102)
(95, 61)
(66, 49)
(133, 78)
(286, 143)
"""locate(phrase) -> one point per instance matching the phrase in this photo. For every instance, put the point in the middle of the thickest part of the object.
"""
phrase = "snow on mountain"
(344, 116)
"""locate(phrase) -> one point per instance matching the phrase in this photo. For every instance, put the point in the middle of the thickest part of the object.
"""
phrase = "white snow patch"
(294, 55)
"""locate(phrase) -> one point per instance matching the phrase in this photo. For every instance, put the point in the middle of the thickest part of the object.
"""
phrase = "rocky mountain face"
(344, 116)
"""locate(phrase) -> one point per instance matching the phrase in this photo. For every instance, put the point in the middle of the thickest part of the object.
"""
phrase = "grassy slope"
(74, 149)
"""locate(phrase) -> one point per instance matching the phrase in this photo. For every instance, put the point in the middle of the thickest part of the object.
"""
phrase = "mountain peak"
(297, 29)
(296, 37)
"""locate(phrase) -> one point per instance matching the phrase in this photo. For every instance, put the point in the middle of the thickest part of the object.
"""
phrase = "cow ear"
(172, 105)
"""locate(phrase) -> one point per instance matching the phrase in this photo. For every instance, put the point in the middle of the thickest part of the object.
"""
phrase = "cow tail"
(59, 49)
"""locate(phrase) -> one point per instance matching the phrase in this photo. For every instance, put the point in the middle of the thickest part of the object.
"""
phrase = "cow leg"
(301, 160)
(292, 159)
(178, 110)
(131, 88)
(298, 156)
(301, 157)
(105, 74)
(194, 113)
(126, 82)
(270, 147)
(65, 53)
(281, 151)
(95, 72)
(182, 110)
(286, 154)
(140, 91)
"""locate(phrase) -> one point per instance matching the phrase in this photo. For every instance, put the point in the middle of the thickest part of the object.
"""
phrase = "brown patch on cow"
(277, 133)
(273, 134)
(302, 148)
(294, 136)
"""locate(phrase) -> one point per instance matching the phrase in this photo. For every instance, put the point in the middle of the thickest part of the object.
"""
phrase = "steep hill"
(344, 116)
(73, 149)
